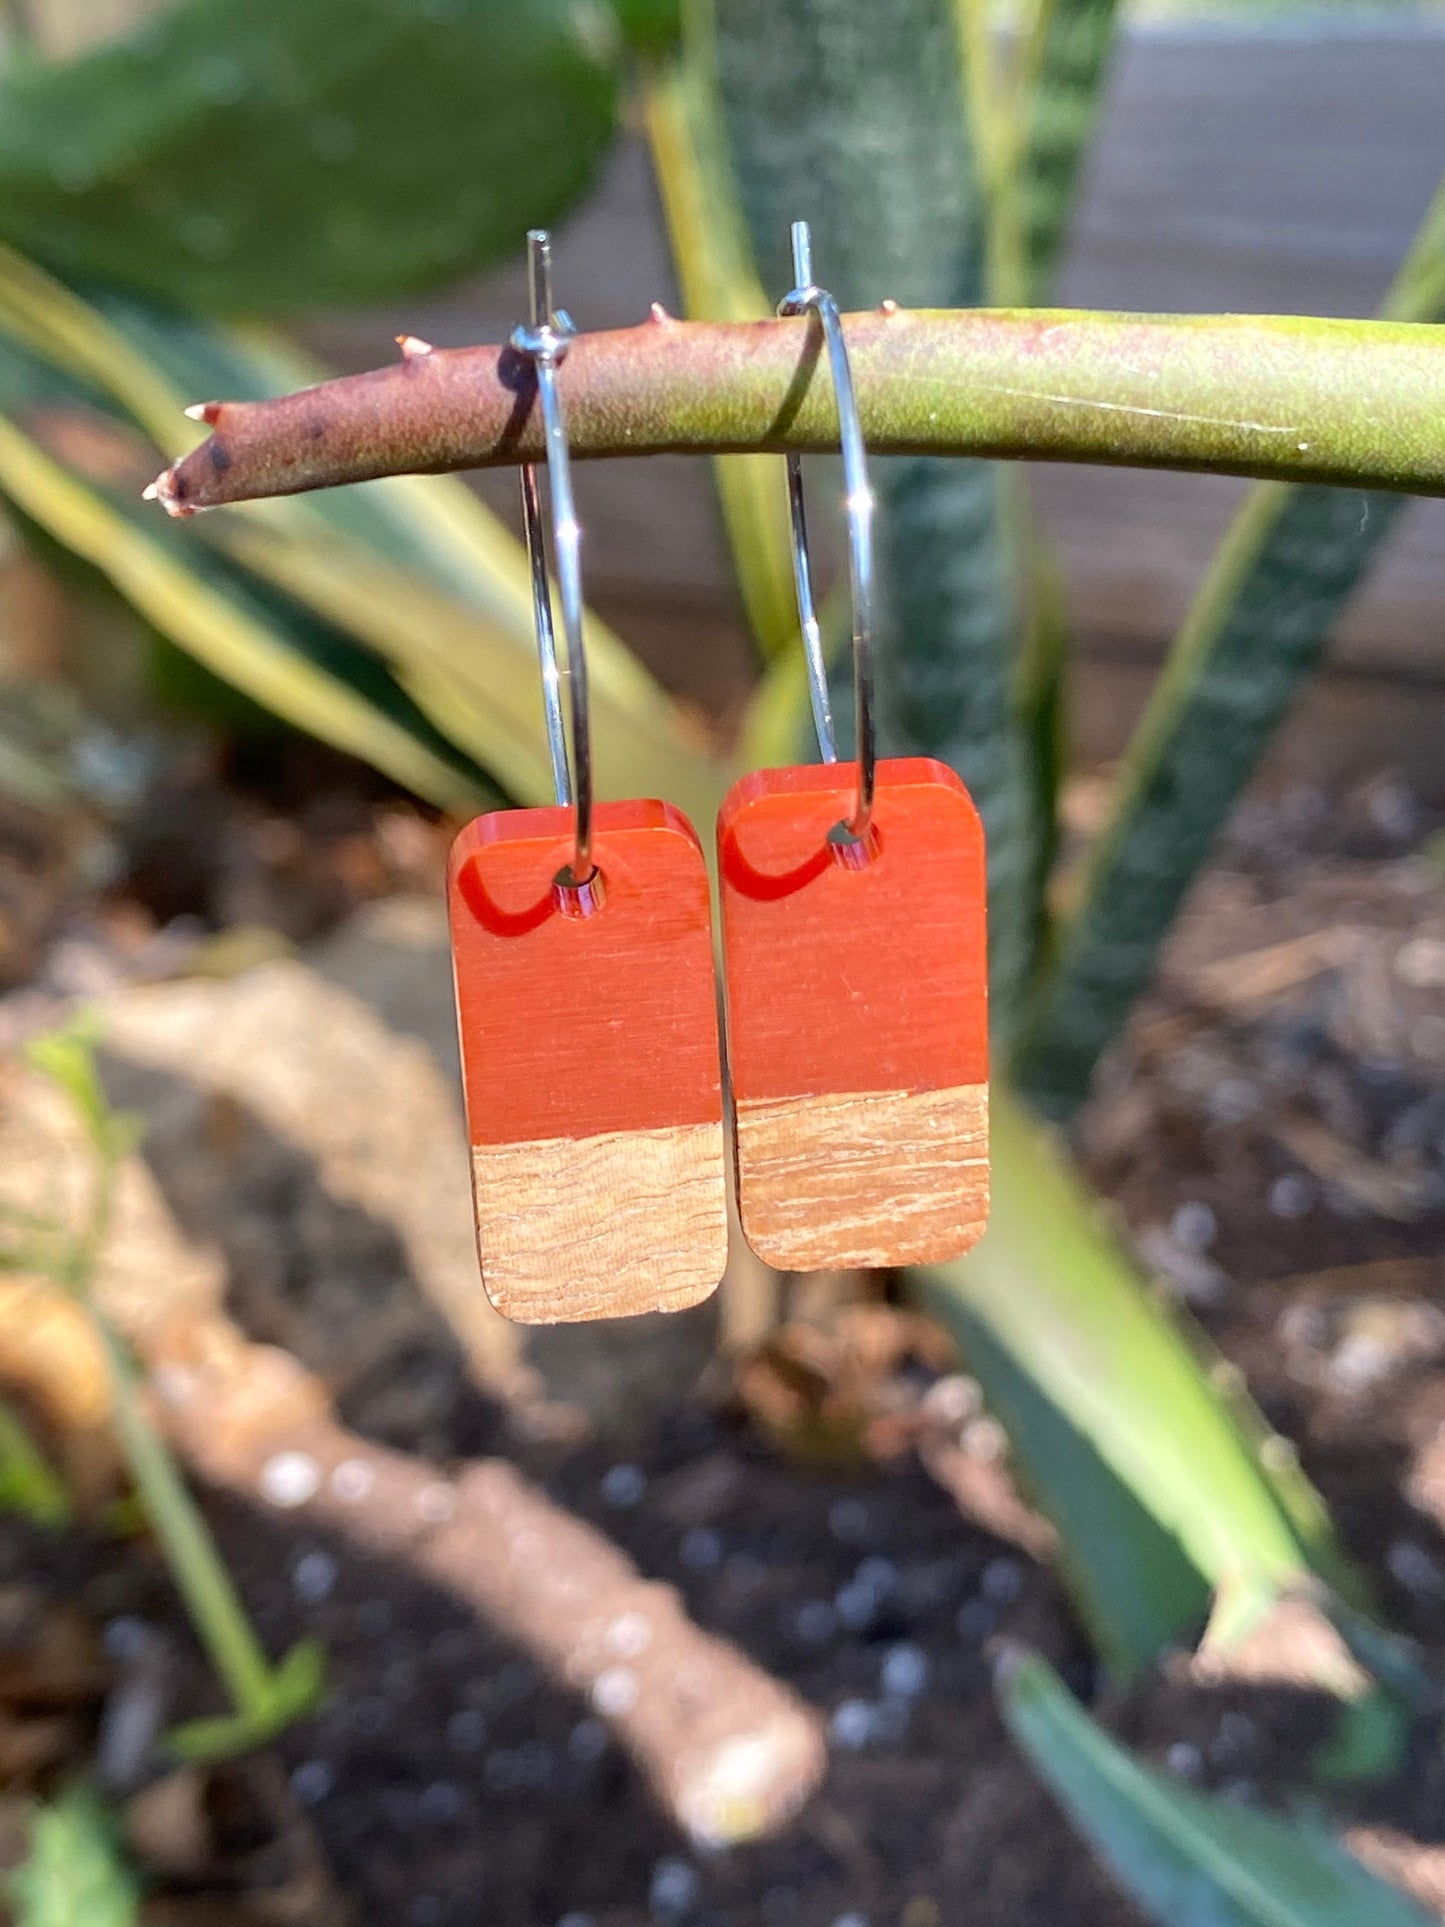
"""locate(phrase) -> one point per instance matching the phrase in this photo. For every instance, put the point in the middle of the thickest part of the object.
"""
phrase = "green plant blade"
(281, 656)
(1290, 561)
(67, 1058)
(1256, 630)
(480, 681)
(76, 1874)
(991, 114)
(1038, 133)
(1161, 1496)
(1040, 681)
(229, 631)
(1066, 64)
(122, 165)
(715, 271)
(865, 134)
(417, 569)
(50, 320)
(414, 569)
(1187, 1859)
(264, 1698)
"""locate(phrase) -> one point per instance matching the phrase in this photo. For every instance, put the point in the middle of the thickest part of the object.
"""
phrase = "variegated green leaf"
(864, 134)
(1254, 633)
(1157, 1477)
(1187, 1859)
(415, 569)
(1066, 63)
(713, 259)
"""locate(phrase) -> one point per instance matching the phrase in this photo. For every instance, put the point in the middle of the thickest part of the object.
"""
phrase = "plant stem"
(1357, 402)
(262, 1699)
(215, 1609)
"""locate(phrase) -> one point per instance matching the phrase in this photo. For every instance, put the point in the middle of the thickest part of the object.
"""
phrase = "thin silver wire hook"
(545, 341)
(807, 298)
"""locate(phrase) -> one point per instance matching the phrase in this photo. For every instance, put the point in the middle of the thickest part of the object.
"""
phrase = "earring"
(582, 948)
(854, 950)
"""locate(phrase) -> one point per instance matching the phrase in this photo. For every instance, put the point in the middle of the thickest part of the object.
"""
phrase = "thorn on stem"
(659, 313)
(163, 490)
(412, 346)
(204, 411)
(890, 306)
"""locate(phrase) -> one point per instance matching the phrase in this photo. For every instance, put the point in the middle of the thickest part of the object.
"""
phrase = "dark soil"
(448, 1783)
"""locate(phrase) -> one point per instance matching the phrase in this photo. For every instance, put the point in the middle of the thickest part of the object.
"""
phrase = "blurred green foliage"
(264, 1698)
(76, 1873)
(1184, 1856)
(262, 156)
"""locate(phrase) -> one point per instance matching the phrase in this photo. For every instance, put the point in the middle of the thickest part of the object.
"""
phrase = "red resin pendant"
(857, 1015)
(588, 1025)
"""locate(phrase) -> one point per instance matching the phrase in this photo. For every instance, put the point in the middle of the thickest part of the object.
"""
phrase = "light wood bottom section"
(601, 1227)
(865, 1177)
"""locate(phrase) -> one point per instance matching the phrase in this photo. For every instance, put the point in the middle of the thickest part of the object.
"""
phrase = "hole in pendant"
(852, 852)
(574, 899)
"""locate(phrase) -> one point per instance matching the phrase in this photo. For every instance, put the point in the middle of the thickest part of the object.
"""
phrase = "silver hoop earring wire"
(545, 342)
(807, 298)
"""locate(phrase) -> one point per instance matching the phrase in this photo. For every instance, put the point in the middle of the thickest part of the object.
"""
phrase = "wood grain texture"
(864, 1178)
(857, 1016)
(601, 1227)
(590, 1063)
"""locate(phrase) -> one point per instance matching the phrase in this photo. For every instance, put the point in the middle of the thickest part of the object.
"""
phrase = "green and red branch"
(1351, 402)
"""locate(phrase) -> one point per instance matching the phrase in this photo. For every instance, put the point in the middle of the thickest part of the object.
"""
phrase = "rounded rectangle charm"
(857, 1015)
(588, 1026)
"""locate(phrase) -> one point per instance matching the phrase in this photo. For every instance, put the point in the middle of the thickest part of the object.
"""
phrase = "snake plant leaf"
(419, 570)
(713, 260)
(864, 134)
(1255, 631)
(1065, 67)
(288, 664)
(1158, 1479)
(269, 155)
(413, 569)
(448, 602)
(1032, 137)
(1187, 1859)
(76, 1874)
(280, 657)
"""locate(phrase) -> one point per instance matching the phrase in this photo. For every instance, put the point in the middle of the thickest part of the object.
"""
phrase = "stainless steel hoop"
(807, 298)
(545, 342)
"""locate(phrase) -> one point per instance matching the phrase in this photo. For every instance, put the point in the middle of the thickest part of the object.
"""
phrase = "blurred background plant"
(178, 180)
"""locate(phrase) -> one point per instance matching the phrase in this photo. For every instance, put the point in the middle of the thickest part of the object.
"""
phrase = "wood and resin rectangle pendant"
(857, 1015)
(588, 1025)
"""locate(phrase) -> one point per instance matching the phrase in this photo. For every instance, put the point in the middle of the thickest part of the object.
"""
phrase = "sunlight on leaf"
(121, 165)
(1184, 1856)
(714, 263)
(1160, 1496)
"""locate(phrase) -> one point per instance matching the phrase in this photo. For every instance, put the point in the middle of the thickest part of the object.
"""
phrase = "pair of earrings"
(852, 903)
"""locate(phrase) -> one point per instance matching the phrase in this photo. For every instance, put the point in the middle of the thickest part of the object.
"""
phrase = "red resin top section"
(573, 1024)
(840, 978)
